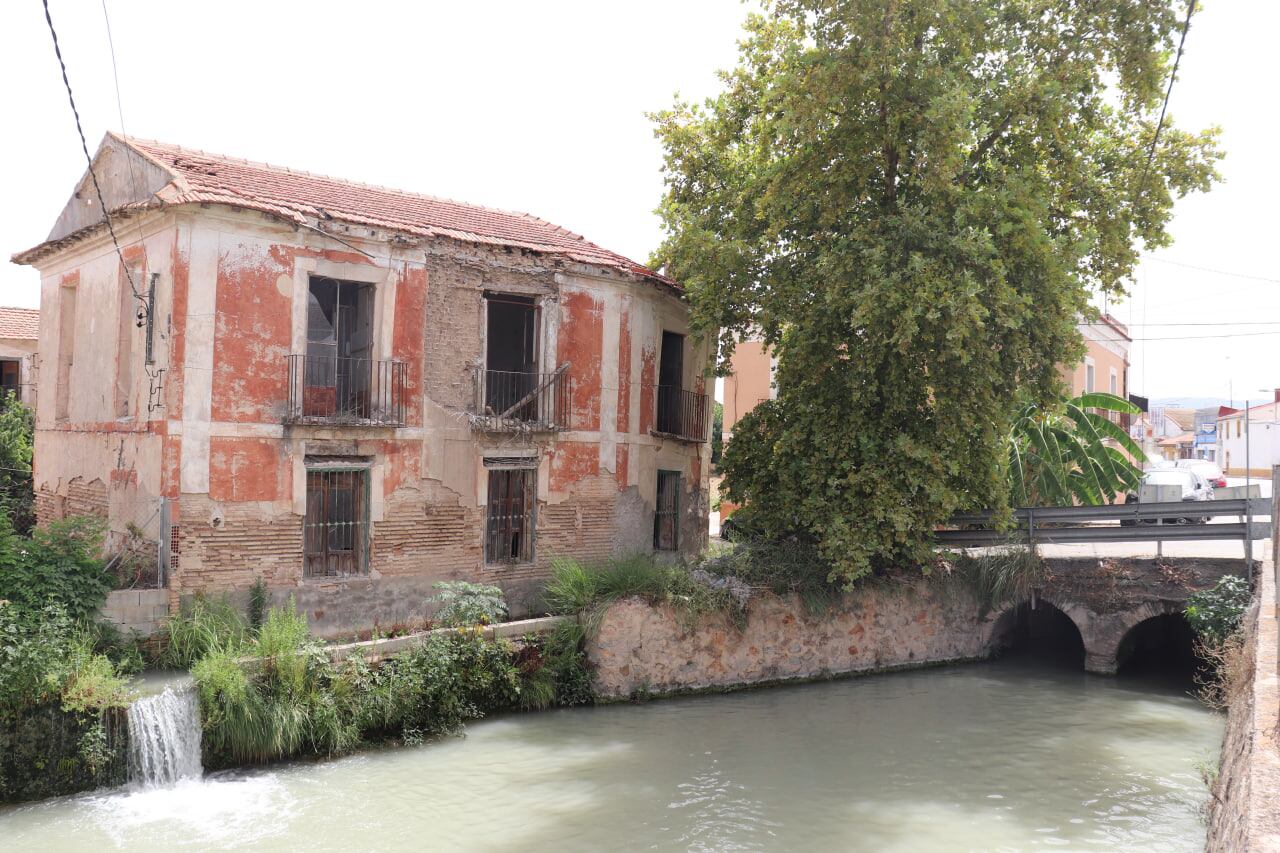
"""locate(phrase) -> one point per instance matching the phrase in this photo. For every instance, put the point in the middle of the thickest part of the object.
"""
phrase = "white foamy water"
(1000, 756)
(164, 738)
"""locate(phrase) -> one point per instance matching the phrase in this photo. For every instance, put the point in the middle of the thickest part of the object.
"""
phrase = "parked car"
(1209, 470)
(1194, 488)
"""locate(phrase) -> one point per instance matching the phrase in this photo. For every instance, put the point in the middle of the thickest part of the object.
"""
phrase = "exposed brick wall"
(226, 546)
(85, 498)
(422, 537)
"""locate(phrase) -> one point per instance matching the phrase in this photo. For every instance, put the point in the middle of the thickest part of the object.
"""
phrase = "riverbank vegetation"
(62, 676)
(1216, 615)
(276, 693)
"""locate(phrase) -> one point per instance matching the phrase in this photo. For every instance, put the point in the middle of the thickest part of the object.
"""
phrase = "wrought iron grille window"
(335, 532)
(509, 522)
(666, 519)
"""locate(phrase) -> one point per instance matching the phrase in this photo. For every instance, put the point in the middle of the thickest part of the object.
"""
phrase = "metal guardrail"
(1146, 523)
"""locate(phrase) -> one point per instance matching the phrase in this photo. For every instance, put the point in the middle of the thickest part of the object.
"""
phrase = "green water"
(998, 756)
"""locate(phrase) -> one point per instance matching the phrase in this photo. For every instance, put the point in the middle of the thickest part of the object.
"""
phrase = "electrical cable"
(84, 146)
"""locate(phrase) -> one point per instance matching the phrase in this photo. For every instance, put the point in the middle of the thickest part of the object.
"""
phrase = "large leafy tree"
(912, 201)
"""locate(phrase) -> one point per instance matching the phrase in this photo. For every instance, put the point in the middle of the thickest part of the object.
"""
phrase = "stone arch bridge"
(1108, 598)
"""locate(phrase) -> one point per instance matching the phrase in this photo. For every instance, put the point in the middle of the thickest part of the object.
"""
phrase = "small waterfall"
(164, 737)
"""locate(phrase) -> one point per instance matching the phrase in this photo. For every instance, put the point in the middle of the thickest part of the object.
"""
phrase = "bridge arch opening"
(1161, 646)
(1042, 631)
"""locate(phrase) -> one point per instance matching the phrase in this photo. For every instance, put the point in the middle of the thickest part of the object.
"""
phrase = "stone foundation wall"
(640, 648)
(1244, 814)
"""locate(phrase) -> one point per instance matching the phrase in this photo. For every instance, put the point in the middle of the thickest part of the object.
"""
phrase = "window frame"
(526, 467)
(17, 375)
(364, 541)
(671, 514)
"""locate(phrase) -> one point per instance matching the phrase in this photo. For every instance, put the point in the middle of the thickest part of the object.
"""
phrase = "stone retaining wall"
(1245, 809)
(640, 648)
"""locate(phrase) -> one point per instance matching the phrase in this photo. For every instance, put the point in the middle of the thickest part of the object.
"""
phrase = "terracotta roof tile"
(20, 323)
(202, 177)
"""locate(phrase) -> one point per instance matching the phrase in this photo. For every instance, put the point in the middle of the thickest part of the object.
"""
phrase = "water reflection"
(1010, 755)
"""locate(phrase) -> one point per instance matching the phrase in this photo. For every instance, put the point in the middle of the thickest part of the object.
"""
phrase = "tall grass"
(202, 626)
(1001, 575)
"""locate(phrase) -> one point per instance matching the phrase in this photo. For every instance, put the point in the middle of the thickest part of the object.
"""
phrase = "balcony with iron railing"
(681, 414)
(519, 401)
(324, 390)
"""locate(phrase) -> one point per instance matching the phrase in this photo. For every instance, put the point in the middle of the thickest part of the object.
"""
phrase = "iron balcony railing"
(681, 414)
(516, 400)
(355, 391)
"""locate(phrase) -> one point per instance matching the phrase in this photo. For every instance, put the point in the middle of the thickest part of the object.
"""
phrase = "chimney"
(1277, 399)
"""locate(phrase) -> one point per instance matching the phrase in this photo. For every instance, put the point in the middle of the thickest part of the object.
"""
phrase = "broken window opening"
(335, 530)
(509, 522)
(670, 384)
(666, 517)
(339, 368)
(511, 357)
(11, 379)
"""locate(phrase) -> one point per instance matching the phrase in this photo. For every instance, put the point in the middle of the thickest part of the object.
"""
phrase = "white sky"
(540, 107)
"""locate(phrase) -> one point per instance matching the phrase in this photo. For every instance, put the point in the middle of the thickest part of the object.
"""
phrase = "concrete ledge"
(1245, 811)
(140, 610)
(376, 650)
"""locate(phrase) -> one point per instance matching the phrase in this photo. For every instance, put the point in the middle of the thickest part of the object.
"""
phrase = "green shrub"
(203, 625)
(61, 564)
(57, 695)
(464, 604)
(17, 440)
(257, 603)
(1215, 613)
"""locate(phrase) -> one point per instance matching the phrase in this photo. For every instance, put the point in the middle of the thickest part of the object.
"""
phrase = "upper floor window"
(338, 379)
(681, 412)
(10, 378)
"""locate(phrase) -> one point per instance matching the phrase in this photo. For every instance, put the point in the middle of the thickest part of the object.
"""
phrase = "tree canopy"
(911, 202)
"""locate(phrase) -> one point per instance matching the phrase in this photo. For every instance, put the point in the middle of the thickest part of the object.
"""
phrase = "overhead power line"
(1200, 323)
(1205, 337)
(84, 146)
(1216, 271)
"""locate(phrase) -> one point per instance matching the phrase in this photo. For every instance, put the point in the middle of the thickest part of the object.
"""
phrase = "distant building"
(1255, 439)
(19, 342)
(1105, 366)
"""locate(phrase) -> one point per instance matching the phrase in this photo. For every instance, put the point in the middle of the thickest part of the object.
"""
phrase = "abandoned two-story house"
(353, 392)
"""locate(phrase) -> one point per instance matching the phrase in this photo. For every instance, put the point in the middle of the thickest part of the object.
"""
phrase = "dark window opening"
(511, 357)
(339, 367)
(670, 381)
(1043, 632)
(11, 379)
(509, 522)
(336, 525)
(666, 517)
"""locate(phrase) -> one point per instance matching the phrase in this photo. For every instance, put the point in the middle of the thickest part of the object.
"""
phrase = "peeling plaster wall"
(99, 460)
(232, 295)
